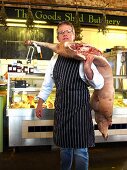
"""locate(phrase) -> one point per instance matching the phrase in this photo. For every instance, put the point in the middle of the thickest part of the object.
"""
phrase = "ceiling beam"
(64, 6)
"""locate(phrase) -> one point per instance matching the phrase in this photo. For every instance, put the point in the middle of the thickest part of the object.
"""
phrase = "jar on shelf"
(14, 67)
(19, 66)
(31, 69)
(10, 68)
(25, 69)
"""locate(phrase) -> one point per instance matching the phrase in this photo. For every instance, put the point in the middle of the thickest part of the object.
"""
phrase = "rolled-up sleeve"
(48, 82)
(47, 87)
(97, 82)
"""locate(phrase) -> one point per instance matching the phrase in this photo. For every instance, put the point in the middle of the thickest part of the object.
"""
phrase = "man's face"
(65, 33)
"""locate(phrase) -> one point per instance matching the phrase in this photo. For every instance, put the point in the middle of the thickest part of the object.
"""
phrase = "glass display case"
(118, 131)
(25, 128)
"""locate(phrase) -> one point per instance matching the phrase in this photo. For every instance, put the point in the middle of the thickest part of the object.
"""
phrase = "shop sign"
(56, 16)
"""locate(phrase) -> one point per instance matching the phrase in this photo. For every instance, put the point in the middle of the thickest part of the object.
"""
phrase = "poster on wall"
(12, 43)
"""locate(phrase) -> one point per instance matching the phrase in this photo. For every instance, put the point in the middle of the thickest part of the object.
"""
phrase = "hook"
(30, 54)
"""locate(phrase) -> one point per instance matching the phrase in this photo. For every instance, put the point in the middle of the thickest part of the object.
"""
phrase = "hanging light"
(3, 17)
(29, 19)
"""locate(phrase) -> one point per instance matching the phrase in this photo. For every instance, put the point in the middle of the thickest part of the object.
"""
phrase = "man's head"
(65, 31)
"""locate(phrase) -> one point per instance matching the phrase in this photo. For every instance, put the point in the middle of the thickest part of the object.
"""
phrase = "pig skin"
(102, 99)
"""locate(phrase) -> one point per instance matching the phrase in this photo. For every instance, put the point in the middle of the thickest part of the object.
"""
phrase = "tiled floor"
(108, 156)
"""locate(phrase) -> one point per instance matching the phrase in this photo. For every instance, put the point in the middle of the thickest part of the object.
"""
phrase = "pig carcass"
(102, 99)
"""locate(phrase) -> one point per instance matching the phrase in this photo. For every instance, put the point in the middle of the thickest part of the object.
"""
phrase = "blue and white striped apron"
(73, 126)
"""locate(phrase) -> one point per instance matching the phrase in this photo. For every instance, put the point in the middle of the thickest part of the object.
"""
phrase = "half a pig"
(101, 100)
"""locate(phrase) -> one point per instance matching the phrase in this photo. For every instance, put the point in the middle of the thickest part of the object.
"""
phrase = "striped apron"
(73, 126)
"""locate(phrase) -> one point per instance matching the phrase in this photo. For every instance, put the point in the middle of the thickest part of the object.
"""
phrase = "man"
(73, 127)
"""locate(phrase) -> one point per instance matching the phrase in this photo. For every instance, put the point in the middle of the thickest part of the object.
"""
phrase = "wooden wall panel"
(113, 4)
(107, 3)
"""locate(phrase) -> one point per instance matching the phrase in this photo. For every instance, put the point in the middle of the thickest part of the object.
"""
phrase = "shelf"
(25, 76)
(26, 89)
(120, 76)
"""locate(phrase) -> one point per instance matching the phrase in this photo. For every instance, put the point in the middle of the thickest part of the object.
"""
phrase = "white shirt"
(97, 82)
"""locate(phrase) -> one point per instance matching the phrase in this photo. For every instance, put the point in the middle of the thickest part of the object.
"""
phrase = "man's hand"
(28, 42)
(39, 111)
(87, 66)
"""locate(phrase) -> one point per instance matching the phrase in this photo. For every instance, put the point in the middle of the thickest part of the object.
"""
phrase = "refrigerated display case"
(25, 129)
(118, 131)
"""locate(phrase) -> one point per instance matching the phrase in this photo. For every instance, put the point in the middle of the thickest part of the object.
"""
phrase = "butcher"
(102, 99)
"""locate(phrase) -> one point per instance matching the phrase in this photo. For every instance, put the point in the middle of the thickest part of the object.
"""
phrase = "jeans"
(80, 156)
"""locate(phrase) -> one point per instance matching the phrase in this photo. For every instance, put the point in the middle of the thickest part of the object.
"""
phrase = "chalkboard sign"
(12, 42)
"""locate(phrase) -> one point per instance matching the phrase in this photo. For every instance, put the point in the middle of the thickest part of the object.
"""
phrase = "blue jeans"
(80, 156)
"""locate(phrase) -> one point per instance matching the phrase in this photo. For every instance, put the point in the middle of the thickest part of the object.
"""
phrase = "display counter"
(25, 129)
